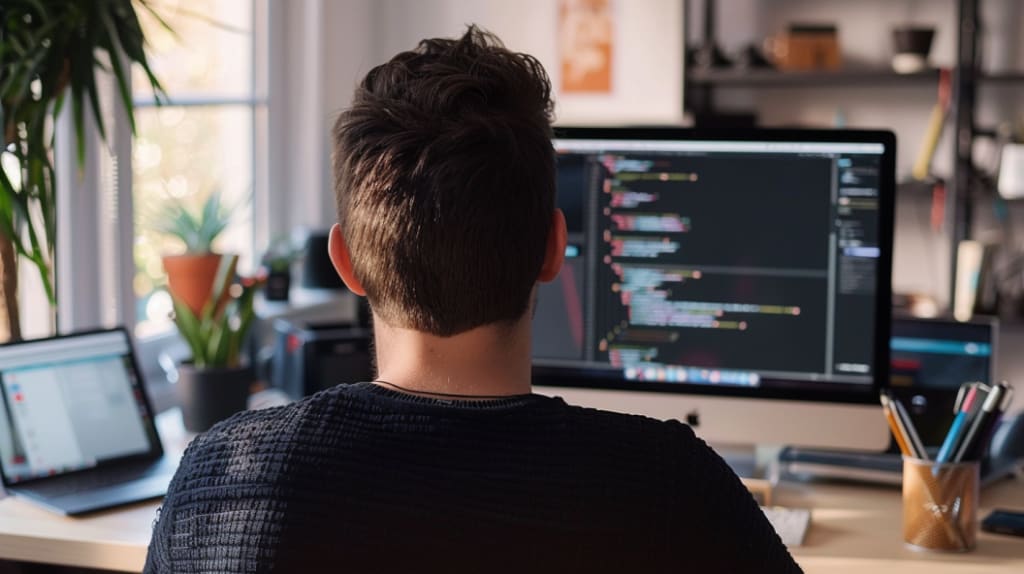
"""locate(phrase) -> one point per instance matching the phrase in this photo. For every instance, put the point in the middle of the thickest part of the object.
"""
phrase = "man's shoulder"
(253, 436)
(633, 424)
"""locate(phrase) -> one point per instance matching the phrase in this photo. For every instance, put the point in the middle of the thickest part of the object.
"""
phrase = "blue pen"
(987, 415)
(956, 430)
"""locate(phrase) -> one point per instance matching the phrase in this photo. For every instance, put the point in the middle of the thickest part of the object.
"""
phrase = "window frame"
(257, 102)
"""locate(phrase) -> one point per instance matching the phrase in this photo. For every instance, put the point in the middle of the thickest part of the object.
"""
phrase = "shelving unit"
(769, 78)
(701, 83)
(869, 77)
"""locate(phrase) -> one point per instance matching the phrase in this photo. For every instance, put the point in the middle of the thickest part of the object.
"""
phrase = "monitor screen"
(753, 264)
(940, 355)
(930, 360)
(70, 403)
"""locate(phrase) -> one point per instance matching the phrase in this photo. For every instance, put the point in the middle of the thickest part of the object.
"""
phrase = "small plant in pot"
(215, 384)
(277, 262)
(190, 276)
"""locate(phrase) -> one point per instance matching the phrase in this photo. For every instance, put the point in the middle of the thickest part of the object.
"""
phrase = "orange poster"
(586, 47)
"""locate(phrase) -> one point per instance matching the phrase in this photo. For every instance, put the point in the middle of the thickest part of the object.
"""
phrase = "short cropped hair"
(445, 183)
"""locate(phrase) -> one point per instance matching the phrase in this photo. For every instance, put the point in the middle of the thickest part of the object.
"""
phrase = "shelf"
(1003, 78)
(876, 77)
(775, 78)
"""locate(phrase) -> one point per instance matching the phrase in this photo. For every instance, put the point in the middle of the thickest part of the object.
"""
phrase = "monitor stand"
(873, 467)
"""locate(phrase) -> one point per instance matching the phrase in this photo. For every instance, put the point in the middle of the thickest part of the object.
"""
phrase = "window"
(205, 140)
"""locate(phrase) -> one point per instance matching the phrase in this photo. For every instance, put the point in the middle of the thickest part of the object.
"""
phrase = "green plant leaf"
(48, 51)
(47, 201)
(157, 17)
(113, 45)
(94, 101)
(188, 326)
(13, 213)
(78, 118)
(221, 344)
(7, 193)
(197, 231)
(133, 43)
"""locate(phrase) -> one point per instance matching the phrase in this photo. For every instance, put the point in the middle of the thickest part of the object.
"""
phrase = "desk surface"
(860, 529)
(853, 529)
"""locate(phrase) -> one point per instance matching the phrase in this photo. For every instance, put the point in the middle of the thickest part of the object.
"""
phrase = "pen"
(890, 417)
(974, 441)
(909, 431)
(962, 392)
(956, 430)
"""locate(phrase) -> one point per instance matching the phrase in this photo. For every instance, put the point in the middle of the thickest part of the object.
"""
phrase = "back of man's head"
(445, 183)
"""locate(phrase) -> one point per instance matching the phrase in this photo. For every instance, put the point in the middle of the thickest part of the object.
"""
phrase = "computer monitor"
(931, 358)
(739, 281)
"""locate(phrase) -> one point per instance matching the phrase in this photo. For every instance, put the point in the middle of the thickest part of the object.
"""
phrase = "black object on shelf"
(317, 270)
(278, 285)
(751, 58)
(911, 46)
(709, 54)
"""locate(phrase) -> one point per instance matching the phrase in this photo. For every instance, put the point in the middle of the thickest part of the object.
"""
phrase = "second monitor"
(736, 280)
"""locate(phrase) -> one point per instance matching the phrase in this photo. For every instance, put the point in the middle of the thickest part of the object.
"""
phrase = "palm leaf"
(113, 45)
(48, 52)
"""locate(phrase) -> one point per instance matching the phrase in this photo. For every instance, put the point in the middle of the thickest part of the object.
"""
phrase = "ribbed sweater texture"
(362, 478)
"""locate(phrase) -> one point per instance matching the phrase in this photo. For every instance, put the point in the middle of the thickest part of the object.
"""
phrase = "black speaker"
(318, 271)
(312, 357)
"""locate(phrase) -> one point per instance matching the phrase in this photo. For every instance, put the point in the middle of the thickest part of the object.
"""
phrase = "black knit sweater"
(360, 478)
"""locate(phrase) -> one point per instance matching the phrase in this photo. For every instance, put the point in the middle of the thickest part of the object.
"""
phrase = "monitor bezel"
(577, 377)
(156, 449)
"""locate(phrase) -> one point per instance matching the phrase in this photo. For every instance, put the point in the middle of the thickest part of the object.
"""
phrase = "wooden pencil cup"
(940, 505)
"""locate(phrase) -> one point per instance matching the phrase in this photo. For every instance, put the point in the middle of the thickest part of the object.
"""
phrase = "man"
(445, 189)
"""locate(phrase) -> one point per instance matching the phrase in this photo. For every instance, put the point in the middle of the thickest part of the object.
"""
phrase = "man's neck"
(488, 361)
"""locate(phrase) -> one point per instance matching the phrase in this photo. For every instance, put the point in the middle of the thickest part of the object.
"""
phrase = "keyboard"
(790, 523)
(97, 479)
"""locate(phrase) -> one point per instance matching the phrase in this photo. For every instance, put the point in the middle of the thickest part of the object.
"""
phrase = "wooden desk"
(860, 529)
(854, 529)
(115, 540)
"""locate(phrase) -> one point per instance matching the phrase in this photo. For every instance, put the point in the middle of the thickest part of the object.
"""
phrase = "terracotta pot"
(190, 277)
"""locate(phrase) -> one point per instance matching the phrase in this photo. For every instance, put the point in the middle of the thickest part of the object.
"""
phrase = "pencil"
(907, 426)
(890, 417)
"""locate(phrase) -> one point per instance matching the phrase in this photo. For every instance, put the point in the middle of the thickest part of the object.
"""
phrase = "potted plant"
(51, 49)
(215, 383)
(191, 275)
(277, 261)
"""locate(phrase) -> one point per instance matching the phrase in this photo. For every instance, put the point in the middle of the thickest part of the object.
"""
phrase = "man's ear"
(555, 253)
(342, 261)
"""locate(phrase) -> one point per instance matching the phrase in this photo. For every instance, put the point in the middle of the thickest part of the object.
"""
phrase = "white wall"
(648, 57)
(326, 46)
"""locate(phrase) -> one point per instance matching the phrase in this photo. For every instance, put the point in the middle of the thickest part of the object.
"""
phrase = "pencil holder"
(940, 505)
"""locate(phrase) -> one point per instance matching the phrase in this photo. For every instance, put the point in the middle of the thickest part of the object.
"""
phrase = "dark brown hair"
(445, 183)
